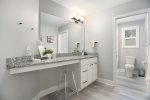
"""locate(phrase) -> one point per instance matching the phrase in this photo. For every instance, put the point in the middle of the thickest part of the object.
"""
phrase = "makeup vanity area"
(86, 67)
(67, 40)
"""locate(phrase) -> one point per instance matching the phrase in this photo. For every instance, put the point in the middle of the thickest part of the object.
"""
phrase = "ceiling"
(85, 7)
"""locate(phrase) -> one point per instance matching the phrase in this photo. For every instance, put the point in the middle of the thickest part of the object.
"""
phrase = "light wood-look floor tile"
(99, 91)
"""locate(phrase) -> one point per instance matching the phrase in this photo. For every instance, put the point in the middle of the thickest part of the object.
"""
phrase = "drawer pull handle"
(84, 81)
(85, 71)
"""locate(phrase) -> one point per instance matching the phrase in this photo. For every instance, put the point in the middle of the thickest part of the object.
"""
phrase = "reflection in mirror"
(63, 36)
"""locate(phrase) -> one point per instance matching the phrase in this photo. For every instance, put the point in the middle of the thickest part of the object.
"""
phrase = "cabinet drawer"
(88, 61)
(84, 73)
(84, 76)
(84, 68)
(84, 84)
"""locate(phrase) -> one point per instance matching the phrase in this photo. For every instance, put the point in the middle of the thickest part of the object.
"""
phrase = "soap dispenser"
(29, 52)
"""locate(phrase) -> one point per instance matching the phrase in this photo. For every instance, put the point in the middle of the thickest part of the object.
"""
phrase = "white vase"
(49, 56)
(53, 56)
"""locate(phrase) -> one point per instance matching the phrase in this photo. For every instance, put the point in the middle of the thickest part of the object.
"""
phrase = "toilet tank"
(130, 60)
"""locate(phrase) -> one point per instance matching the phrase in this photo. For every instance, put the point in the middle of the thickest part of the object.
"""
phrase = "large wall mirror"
(61, 35)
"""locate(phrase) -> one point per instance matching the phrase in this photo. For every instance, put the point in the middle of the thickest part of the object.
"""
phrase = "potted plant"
(48, 53)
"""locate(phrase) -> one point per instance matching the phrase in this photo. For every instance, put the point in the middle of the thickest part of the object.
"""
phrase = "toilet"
(130, 65)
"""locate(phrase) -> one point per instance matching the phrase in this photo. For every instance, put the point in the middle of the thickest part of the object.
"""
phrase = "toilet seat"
(129, 66)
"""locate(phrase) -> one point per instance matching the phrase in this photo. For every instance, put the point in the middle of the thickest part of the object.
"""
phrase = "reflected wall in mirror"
(63, 36)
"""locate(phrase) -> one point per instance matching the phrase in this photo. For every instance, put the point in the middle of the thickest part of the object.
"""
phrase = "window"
(130, 37)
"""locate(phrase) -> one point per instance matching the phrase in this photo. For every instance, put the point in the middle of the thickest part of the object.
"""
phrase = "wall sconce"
(78, 18)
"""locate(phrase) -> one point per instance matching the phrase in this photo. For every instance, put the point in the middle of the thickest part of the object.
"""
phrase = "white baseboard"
(47, 91)
(54, 88)
(105, 81)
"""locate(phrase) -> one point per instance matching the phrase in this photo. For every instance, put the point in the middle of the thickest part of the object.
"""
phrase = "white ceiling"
(85, 7)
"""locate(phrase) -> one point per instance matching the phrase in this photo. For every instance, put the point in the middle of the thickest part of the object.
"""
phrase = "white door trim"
(115, 38)
(64, 31)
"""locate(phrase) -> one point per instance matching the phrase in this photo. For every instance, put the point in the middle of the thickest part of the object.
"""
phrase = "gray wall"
(139, 53)
(13, 41)
(99, 28)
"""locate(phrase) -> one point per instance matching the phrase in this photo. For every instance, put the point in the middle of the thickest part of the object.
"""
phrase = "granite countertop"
(26, 61)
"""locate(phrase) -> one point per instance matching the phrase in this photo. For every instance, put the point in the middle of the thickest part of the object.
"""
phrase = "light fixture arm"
(78, 18)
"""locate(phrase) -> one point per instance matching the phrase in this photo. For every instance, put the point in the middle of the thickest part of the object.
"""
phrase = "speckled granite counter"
(20, 62)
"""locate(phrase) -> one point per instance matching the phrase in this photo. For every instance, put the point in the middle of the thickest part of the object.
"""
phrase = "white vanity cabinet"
(88, 71)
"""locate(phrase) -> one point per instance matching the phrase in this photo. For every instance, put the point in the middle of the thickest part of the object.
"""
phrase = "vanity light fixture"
(78, 18)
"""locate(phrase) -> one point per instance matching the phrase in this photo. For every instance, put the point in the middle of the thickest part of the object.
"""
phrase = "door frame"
(115, 38)
(64, 31)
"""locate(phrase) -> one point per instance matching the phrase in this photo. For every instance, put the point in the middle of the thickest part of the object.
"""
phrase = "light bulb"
(74, 15)
(79, 17)
(82, 19)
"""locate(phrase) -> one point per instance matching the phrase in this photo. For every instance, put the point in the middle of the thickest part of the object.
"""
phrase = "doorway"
(63, 42)
(131, 42)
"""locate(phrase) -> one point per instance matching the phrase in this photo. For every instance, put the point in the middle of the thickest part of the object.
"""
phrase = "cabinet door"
(94, 68)
(90, 73)
(84, 76)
